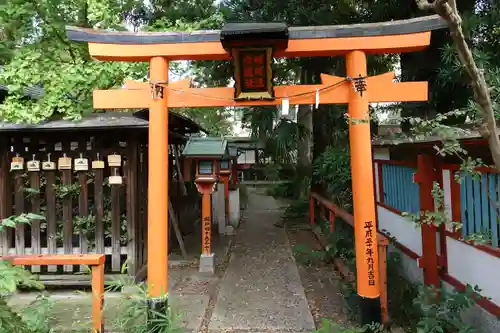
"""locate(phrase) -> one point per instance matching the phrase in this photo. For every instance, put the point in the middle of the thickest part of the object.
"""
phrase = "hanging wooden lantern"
(205, 168)
(252, 46)
(225, 166)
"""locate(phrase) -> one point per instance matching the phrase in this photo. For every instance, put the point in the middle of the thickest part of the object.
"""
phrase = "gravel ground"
(322, 284)
(261, 290)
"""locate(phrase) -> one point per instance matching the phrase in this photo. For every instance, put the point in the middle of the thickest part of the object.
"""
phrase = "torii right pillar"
(365, 225)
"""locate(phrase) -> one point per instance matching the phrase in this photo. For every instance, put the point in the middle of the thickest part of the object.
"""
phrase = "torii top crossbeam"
(386, 37)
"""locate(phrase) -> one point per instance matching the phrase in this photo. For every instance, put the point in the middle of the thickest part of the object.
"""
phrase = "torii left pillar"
(158, 191)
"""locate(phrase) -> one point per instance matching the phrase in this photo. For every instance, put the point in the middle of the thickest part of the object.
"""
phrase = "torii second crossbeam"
(333, 90)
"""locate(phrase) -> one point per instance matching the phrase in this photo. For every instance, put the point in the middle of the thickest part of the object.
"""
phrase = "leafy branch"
(24, 218)
(447, 9)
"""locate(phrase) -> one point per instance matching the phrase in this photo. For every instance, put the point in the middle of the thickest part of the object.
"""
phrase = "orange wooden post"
(382, 251)
(332, 220)
(365, 226)
(234, 172)
(95, 261)
(158, 187)
(206, 185)
(206, 208)
(311, 210)
(98, 298)
(429, 261)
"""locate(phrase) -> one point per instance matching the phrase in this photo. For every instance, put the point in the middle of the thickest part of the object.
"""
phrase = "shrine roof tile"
(205, 147)
(399, 27)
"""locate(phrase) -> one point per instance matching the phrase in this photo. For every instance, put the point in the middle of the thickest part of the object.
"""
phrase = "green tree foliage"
(329, 118)
(333, 168)
(482, 30)
(215, 120)
(35, 52)
(425, 65)
(38, 54)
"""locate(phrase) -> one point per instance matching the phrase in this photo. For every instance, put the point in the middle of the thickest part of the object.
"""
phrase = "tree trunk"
(447, 9)
(320, 136)
(305, 119)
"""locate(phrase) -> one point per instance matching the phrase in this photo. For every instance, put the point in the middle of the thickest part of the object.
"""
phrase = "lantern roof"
(275, 33)
(212, 147)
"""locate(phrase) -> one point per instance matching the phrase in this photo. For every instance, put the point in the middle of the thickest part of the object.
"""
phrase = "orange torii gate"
(242, 43)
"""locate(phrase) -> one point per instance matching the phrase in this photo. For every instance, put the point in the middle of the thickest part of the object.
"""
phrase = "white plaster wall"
(381, 154)
(447, 192)
(405, 232)
(234, 207)
(377, 192)
(247, 157)
(218, 207)
(475, 267)
(409, 266)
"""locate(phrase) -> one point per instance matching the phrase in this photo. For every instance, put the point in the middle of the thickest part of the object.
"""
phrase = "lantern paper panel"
(224, 164)
(205, 168)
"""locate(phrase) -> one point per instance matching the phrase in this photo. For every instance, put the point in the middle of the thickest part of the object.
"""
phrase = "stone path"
(261, 289)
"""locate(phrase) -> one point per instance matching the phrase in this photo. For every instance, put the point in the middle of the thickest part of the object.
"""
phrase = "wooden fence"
(444, 252)
(474, 198)
(399, 189)
(322, 208)
(476, 202)
(83, 212)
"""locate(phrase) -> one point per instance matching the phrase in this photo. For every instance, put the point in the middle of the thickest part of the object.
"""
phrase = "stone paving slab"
(77, 310)
(72, 310)
(261, 289)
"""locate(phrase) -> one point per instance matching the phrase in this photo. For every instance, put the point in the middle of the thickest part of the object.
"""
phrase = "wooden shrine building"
(86, 210)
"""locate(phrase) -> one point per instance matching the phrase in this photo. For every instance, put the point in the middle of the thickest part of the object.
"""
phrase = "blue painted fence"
(480, 205)
(400, 192)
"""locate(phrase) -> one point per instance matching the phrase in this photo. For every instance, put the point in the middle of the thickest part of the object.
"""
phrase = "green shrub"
(332, 169)
(297, 209)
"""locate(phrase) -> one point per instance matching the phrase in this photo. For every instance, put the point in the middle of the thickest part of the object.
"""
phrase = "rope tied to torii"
(359, 85)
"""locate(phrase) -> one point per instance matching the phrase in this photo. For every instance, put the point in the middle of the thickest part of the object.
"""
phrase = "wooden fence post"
(5, 193)
(426, 175)
(98, 298)
(383, 243)
(311, 209)
(332, 220)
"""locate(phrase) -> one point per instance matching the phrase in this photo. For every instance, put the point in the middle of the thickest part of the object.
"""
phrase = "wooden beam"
(296, 48)
(59, 259)
(334, 90)
(381, 37)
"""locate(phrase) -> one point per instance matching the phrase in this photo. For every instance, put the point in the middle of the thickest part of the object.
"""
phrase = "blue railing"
(480, 205)
(399, 190)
